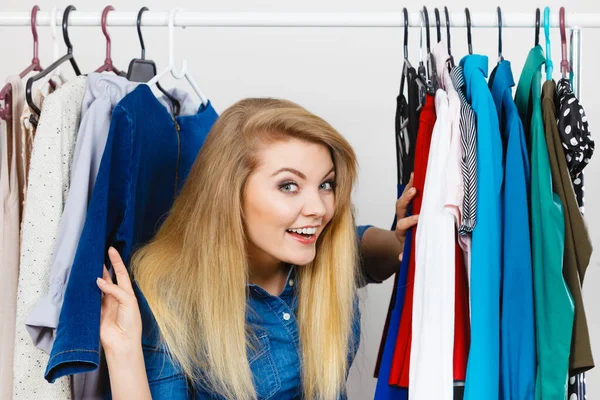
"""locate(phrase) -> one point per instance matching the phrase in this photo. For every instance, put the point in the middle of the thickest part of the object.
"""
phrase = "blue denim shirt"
(275, 363)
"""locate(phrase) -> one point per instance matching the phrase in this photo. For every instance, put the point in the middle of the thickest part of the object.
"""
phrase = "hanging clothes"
(453, 204)
(517, 329)
(468, 132)
(552, 300)
(48, 185)
(575, 134)
(468, 139)
(432, 345)
(483, 364)
(28, 130)
(578, 147)
(399, 372)
(578, 245)
(10, 215)
(383, 390)
(406, 127)
(103, 92)
(148, 155)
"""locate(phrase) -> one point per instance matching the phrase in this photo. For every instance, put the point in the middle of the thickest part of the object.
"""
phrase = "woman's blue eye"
(288, 187)
(329, 185)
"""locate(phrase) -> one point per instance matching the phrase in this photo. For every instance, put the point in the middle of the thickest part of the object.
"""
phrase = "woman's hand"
(120, 321)
(404, 223)
(381, 249)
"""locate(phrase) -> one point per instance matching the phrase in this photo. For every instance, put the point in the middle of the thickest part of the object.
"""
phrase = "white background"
(349, 76)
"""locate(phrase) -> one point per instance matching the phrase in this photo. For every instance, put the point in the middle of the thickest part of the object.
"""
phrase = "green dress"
(554, 309)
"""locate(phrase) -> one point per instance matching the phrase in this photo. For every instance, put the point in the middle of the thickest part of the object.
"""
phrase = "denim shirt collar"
(257, 292)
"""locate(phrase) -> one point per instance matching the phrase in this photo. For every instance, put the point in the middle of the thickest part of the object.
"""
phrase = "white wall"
(349, 76)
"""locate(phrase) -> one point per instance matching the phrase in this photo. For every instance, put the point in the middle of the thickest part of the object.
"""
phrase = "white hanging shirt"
(431, 357)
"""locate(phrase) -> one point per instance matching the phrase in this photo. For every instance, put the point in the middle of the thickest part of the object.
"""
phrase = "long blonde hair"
(194, 272)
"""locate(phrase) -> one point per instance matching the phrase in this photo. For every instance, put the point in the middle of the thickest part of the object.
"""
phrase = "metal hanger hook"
(438, 25)
(426, 16)
(65, 27)
(448, 29)
(469, 39)
(421, 37)
(499, 11)
(537, 26)
(139, 30)
(405, 11)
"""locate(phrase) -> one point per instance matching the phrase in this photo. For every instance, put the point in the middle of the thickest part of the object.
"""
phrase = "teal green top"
(554, 309)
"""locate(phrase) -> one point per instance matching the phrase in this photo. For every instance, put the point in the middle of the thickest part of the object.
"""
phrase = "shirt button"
(291, 282)
(286, 316)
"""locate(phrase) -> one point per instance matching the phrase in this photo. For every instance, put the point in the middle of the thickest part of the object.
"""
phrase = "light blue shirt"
(483, 368)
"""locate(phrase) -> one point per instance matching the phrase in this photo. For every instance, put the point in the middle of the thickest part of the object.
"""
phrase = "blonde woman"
(248, 290)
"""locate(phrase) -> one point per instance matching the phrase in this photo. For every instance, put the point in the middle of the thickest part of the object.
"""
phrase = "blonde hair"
(194, 272)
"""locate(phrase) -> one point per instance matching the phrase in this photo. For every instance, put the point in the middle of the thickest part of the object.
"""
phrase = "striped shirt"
(468, 134)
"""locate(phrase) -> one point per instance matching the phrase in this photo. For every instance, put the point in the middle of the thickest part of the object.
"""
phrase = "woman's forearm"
(380, 251)
(128, 380)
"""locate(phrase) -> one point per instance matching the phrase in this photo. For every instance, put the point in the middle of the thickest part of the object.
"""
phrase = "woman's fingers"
(109, 288)
(120, 270)
(407, 195)
(106, 275)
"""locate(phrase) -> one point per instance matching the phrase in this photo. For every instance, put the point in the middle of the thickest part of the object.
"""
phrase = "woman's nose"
(314, 205)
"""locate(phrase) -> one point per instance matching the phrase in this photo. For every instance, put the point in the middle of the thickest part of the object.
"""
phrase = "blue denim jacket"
(134, 190)
(275, 363)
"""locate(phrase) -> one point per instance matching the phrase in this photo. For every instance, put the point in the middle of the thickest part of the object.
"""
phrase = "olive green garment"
(578, 246)
(553, 304)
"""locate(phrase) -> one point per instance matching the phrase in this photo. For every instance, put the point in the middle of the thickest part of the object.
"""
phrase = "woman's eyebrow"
(292, 170)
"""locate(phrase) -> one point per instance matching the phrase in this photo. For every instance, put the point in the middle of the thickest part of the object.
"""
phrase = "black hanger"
(419, 79)
(405, 33)
(431, 72)
(500, 57)
(67, 57)
(469, 42)
(426, 17)
(142, 70)
(537, 26)
(451, 59)
(438, 25)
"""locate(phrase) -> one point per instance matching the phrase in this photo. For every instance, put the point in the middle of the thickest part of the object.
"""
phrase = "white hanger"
(55, 45)
(171, 67)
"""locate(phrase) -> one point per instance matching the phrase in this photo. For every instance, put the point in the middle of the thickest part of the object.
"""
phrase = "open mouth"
(304, 235)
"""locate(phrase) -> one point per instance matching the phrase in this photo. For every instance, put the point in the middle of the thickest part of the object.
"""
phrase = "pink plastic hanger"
(108, 62)
(564, 63)
(5, 113)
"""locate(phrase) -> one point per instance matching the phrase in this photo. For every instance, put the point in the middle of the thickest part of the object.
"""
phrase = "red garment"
(401, 362)
(462, 321)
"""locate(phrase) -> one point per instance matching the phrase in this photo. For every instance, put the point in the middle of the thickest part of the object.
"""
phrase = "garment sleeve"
(166, 380)
(364, 278)
(77, 344)
(91, 139)
(360, 231)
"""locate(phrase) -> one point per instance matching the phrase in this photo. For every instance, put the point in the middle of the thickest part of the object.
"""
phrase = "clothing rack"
(300, 19)
(573, 21)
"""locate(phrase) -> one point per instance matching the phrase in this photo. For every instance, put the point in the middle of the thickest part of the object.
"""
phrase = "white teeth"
(304, 231)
